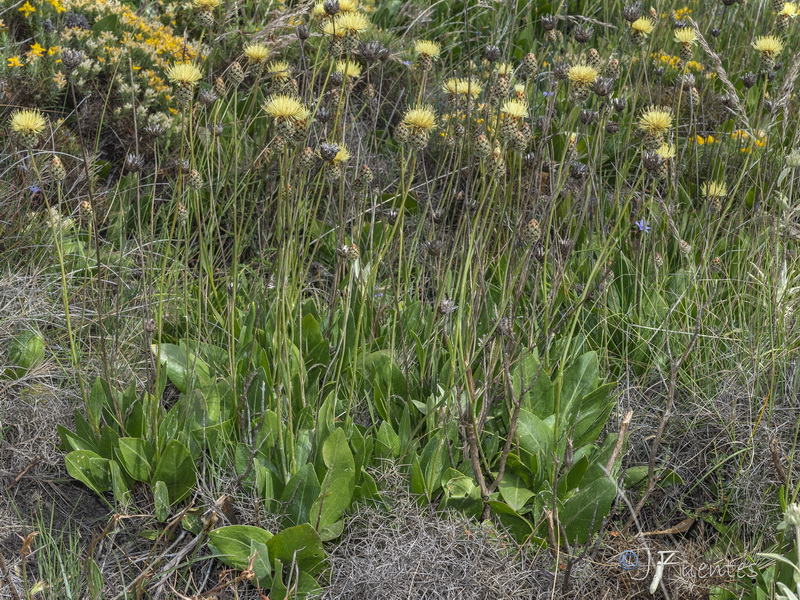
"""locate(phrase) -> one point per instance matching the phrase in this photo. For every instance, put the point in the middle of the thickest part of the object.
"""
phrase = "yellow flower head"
(27, 122)
(789, 10)
(768, 44)
(351, 22)
(462, 86)
(714, 189)
(186, 74)
(582, 74)
(342, 155)
(421, 117)
(666, 151)
(427, 48)
(505, 69)
(26, 9)
(256, 53)
(655, 119)
(280, 106)
(685, 35)
(516, 109)
(279, 70)
(348, 69)
(643, 26)
(319, 10)
(206, 5)
(332, 29)
(345, 6)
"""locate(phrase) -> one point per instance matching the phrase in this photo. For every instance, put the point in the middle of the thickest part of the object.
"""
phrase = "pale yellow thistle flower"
(768, 44)
(714, 189)
(256, 53)
(206, 5)
(655, 119)
(666, 151)
(281, 106)
(421, 117)
(27, 122)
(643, 26)
(516, 109)
(185, 74)
(462, 87)
(351, 22)
(427, 48)
(342, 155)
(505, 69)
(582, 74)
(279, 69)
(789, 10)
(685, 35)
(332, 29)
(346, 6)
(348, 69)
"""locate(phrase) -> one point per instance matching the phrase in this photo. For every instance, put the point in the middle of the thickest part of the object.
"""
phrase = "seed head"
(769, 45)
(421, 118)
(655, 119)
(582, 74)
(632, 12)
(184, 74)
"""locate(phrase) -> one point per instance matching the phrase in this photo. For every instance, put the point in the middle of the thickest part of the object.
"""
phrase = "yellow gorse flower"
(27, 122)
(348, 69)
(14, 61)
(280, 106)
(582, 74)
(185, 74)
(516, 109)
(256, 53)
(655, 119)
(421, 117)
(427, 48)
(26, 9)
(768, 44)
(643, 26)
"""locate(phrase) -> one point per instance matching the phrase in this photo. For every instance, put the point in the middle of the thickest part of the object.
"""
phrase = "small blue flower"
(642, 225)
(548, 94)
(34, 189)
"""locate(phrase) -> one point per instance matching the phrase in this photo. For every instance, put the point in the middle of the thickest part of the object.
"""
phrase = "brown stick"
(623, 429)
(7, 578)
(24, 471)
